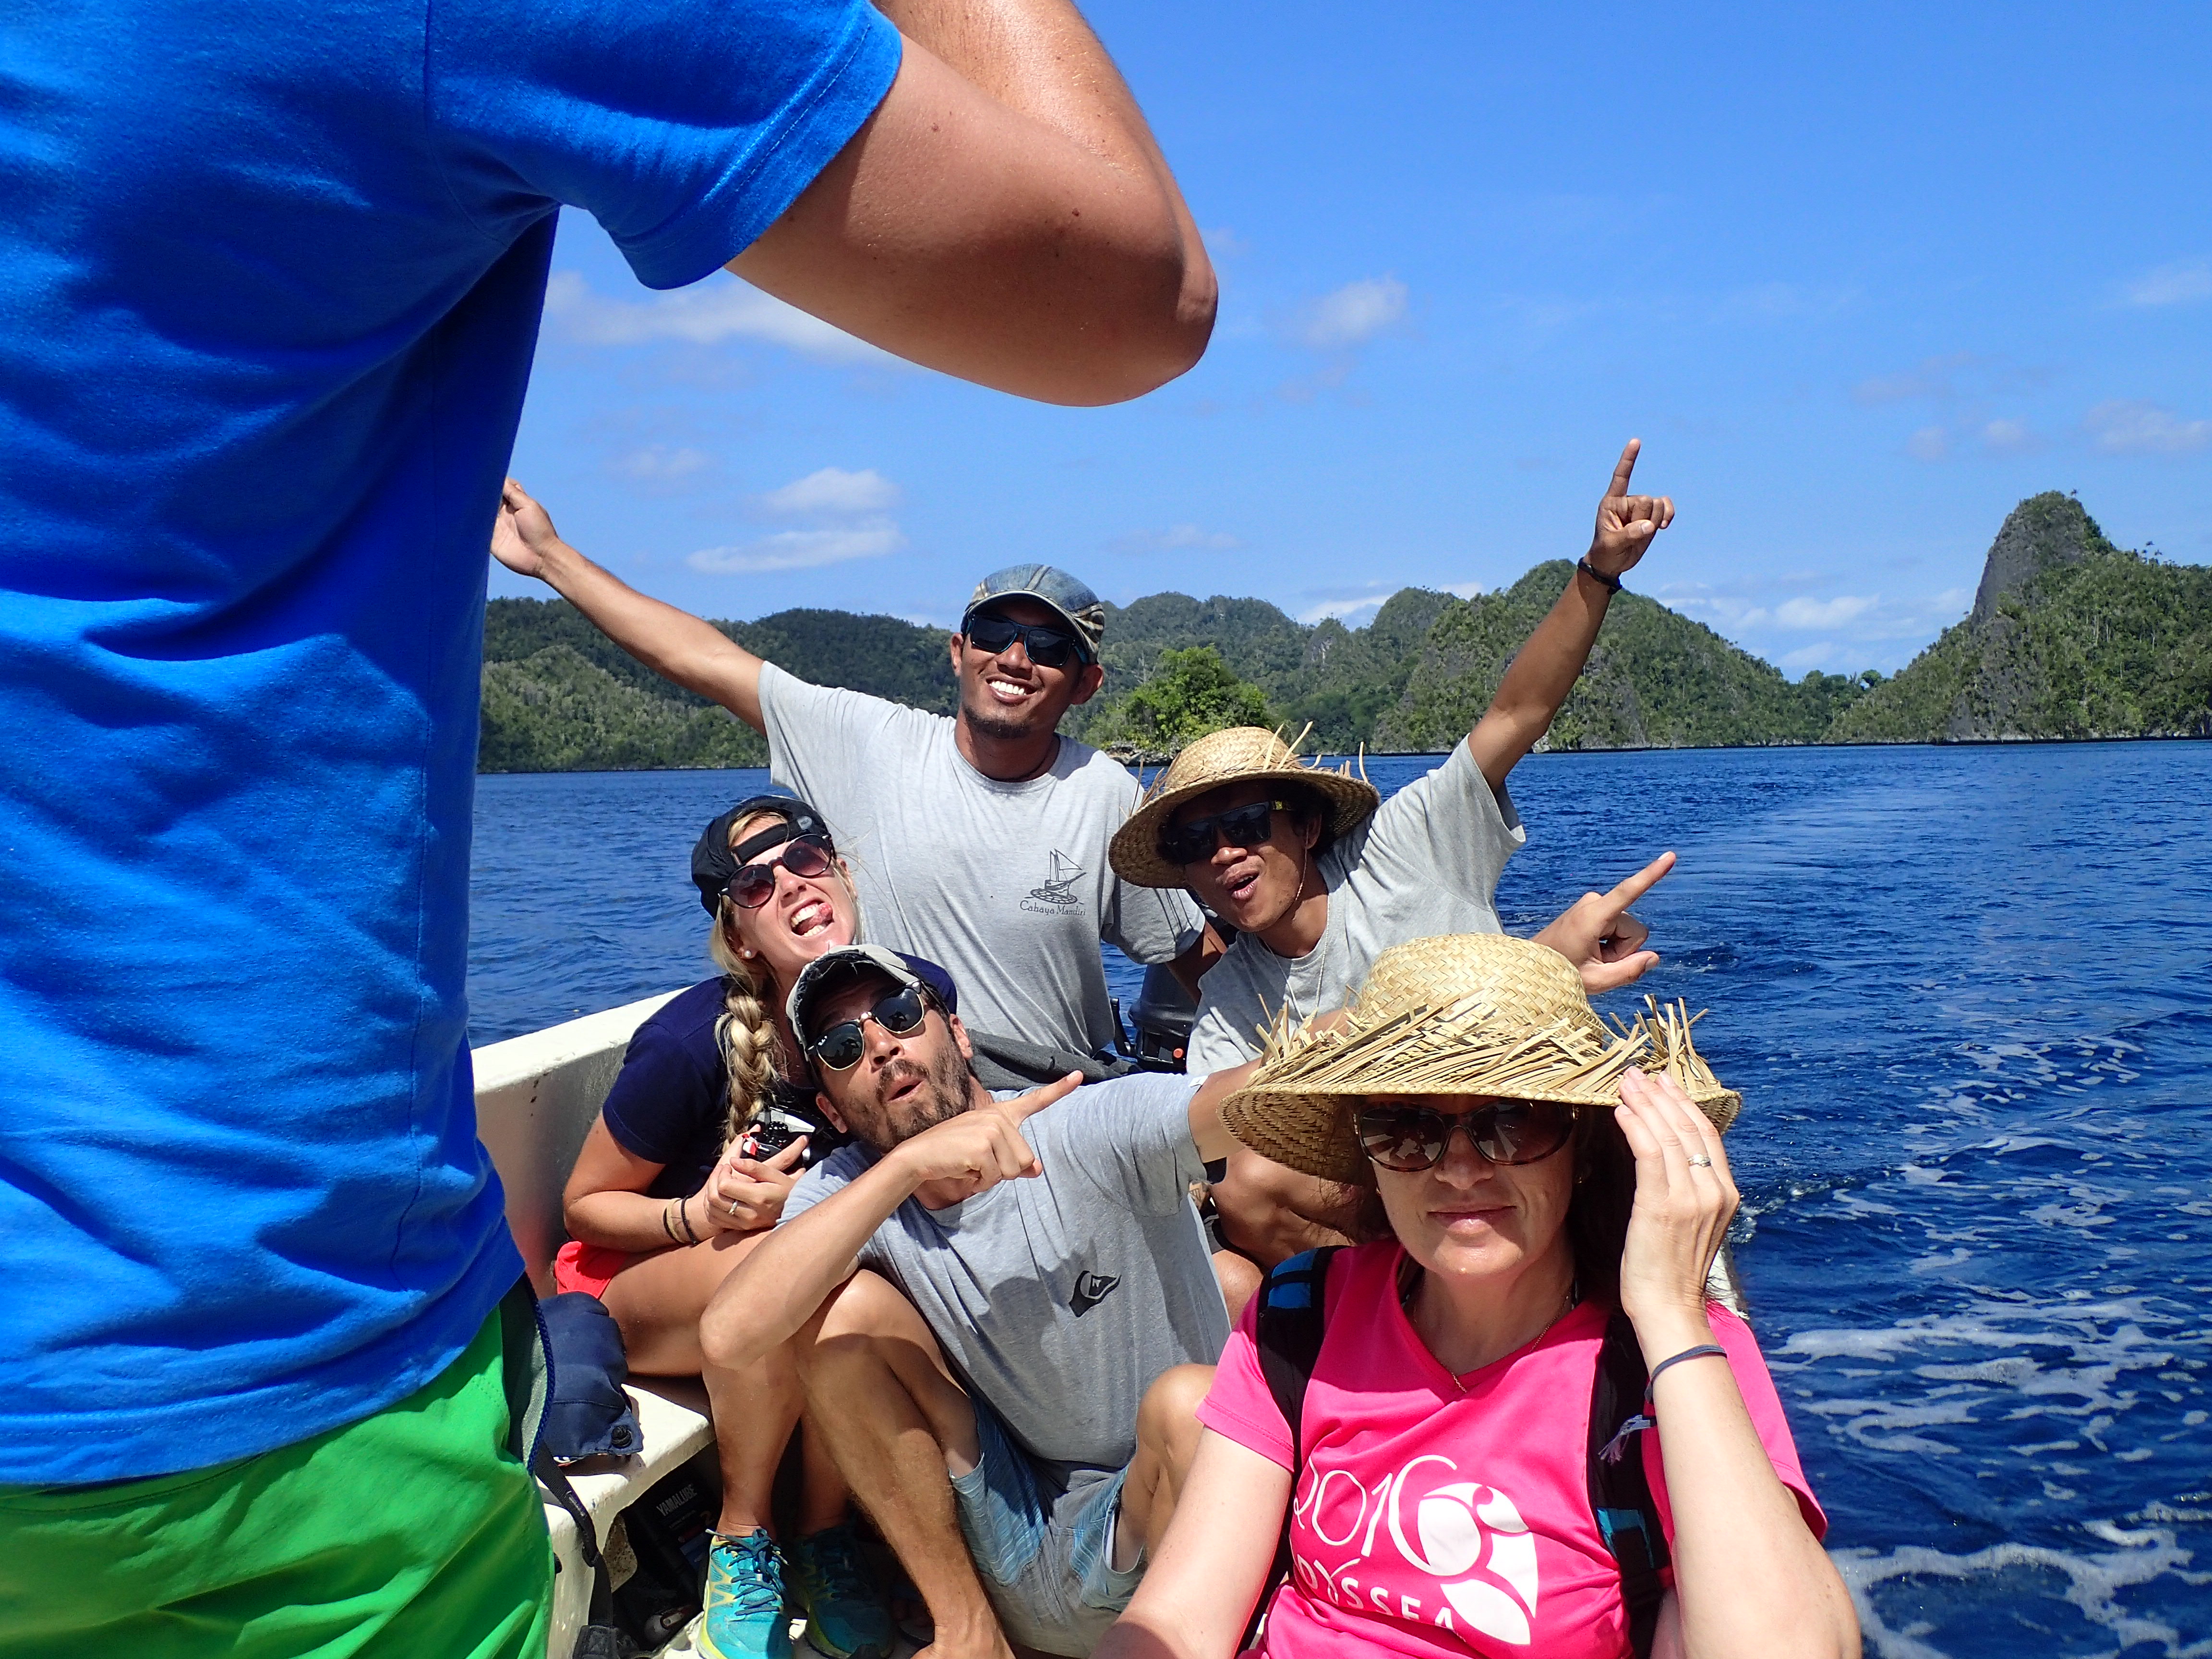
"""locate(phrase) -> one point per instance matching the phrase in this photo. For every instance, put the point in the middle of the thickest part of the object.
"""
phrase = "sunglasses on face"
(840, 1047)
(1410, 1137)
(1046, 646)
(1240, 826)
(754, 883)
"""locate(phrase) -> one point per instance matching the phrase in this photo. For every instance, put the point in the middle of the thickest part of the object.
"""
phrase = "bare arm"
(1004, 216)
(1205, 1127)
(1190, 966)
(1545, 668)
(777, 1287)
(605, 1203)
(1750, 1579)
(1196, 1600)
(674, 644)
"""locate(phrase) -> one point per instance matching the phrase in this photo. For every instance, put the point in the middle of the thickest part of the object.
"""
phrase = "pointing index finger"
(1636, 886)
(1625, 469)
(1037, 1099)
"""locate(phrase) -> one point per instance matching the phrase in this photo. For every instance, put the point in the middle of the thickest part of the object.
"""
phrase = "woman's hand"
(745, 1195)
(1685, 1198)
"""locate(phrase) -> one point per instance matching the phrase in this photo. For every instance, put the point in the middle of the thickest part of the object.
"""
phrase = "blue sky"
(1861, 278)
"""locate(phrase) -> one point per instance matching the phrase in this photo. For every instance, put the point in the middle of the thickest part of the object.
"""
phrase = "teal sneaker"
(744, 1617)
(846, 1617)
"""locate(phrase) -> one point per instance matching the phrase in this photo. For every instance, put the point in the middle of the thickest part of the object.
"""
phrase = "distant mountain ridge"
(2069, 637)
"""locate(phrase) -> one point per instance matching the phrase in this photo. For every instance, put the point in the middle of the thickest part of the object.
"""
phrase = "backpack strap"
(1619, 1495)
(1288, 1333)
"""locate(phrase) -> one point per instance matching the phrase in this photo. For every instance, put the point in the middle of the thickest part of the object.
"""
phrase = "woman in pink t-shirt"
(1529, 1172)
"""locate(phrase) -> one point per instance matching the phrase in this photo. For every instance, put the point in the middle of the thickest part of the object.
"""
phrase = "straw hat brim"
(1297, 1108)
(1136, 850)
(1310, 1131)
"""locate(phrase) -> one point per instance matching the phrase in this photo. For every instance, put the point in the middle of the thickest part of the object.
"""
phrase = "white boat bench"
(536, 1098)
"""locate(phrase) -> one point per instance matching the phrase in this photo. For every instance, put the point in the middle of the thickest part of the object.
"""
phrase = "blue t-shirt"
(270, 281)
(670, 1103)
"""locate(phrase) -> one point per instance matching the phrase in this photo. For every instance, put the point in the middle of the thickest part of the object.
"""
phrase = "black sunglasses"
(1046, 646)
(754, 884)
(840, 1047)
(1240, 826)
(1410, 1137)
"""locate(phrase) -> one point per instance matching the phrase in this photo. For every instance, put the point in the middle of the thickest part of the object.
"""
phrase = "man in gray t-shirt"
(1004, 880)
(1028, 1289)
(979, 841)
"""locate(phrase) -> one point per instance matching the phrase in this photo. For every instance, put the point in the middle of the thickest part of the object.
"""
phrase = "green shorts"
(414, 1534)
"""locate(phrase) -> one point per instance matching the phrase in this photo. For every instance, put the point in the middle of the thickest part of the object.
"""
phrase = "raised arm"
(1545, 669)
(674, 644)
(1004, 216)
(1196, 1600)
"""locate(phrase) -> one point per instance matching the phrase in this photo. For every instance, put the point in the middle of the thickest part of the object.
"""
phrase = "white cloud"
(2176, 284)
(1465, 590)
(2008, 438)
(802, 550)
(832, 491)
(1933, 377)
(1805, 613)
(1353, 314)
(658, 464)
(1930, 443)
(1174, 538)
(2135, 427)
(1342, 610)
(719, 308)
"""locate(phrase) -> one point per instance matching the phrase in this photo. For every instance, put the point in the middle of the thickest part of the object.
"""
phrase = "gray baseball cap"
(1050, 587)
(834, 968)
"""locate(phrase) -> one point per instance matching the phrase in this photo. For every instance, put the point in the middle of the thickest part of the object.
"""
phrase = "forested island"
(2069, 637)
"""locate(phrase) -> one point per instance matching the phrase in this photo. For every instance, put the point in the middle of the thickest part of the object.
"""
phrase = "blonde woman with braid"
(708, 1126)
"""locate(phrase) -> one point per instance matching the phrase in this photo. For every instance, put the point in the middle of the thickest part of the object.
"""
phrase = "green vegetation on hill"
(2070, 637)
(1656, 679)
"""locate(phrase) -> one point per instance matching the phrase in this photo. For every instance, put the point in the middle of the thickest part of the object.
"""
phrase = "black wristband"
(1611, 584)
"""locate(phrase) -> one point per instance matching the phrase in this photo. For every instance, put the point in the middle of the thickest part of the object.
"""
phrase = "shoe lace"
(746, 1572)
(833, 1563)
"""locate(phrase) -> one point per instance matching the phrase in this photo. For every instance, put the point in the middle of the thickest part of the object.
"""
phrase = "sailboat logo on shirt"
(1057, 896)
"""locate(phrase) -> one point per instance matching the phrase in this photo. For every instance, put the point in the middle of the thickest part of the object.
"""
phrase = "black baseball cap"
(715, 862)
(833, 969)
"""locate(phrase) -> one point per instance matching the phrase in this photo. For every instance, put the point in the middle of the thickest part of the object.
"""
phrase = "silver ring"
(733, 1202)
(1699, 1161)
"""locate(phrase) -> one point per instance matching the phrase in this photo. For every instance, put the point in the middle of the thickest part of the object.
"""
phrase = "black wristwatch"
(1611, 584)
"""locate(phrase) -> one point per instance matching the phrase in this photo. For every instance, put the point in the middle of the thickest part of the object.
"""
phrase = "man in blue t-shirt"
(270, 281)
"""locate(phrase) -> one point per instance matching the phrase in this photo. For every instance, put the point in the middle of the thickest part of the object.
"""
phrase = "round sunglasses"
(840, 1047)
(1407, 1138)
(1240, 826)
(754, 883)
(1046, 646)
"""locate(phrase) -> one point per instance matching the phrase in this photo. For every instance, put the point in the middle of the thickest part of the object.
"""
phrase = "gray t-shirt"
(1426, 863)
(1005, 885)
(1060, 1298)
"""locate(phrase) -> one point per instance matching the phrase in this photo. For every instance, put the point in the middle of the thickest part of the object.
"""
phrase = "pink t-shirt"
(1439, 1515)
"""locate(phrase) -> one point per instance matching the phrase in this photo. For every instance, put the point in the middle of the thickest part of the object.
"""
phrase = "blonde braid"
(746, 1032)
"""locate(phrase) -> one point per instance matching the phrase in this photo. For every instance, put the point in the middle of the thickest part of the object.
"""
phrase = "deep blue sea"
(1967, 996)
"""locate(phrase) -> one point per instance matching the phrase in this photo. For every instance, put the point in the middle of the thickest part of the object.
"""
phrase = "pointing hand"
(1626, 523)
(1597, 934)
(982, 1146)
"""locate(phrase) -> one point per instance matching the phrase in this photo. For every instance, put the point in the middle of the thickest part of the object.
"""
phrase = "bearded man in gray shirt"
(1004, 1316)
(979, 842)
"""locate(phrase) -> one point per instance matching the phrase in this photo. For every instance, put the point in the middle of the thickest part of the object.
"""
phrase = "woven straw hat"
(1241, 753)
(1465, 1014)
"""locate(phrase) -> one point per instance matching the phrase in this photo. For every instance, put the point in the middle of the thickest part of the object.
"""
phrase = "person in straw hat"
(1542, 1198)
(1318, 881)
